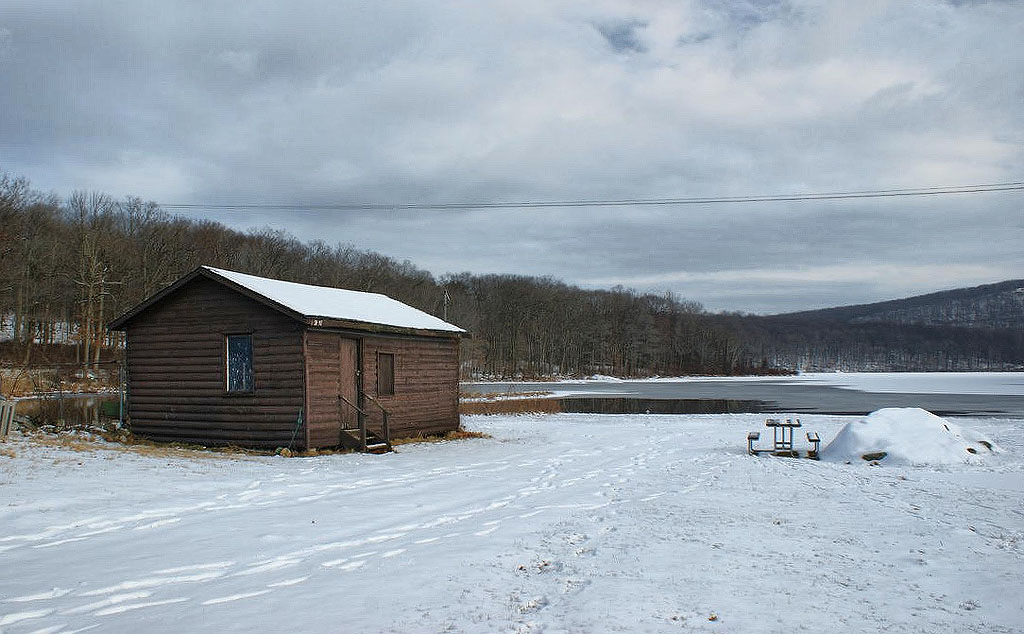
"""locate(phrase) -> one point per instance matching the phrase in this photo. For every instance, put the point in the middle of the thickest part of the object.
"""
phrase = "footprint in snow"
(288, 582)
(18, 617)
(55, 593)
(216, 565)
(234, 597)
(127, 607)
(107, 602)
(267, 566)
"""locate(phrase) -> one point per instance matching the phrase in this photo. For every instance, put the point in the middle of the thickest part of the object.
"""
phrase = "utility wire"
(624, 202)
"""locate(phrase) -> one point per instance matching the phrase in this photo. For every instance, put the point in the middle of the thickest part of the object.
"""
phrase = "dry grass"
(88, 442)
(111, 439)
(127, 443)
(121, 442)
(458, 434)
(15, 382)
(512, 406)
(311, 453)
(495, 396)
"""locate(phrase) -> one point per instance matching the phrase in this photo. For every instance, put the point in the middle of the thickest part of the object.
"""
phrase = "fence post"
(122, 379)
(362, 429)
(6, 417)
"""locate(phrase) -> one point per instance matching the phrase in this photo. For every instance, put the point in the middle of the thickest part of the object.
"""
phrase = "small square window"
(385, 374)
(239, 363)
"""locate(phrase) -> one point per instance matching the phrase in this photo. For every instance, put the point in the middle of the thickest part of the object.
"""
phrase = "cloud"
(317, 102)
(623, 37)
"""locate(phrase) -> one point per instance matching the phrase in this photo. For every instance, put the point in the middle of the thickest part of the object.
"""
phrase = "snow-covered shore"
(559, 523)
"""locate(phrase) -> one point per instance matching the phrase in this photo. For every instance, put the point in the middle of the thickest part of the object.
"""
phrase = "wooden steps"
(350, 438)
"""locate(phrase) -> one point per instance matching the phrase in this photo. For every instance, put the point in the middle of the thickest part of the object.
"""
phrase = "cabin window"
(385, 374)
(239, 363)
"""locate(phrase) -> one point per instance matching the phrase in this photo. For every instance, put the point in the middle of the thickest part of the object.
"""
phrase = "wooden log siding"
(426, 398)
(176, 383)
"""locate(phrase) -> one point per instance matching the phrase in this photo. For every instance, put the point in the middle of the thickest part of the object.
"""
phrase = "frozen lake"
(949, 393)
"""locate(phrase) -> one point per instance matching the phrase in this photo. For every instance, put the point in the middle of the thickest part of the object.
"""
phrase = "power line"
(623, 202)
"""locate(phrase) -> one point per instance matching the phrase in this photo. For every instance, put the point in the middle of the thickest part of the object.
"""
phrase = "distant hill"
(998, 305)
(979, 328)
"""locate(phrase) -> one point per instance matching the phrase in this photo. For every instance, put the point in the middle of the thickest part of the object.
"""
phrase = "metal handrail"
(362, 415)
(352, 405)
(360, 418)
(384, 417)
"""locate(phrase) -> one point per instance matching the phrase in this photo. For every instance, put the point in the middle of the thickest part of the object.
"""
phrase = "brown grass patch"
(17, 382)
(458, 434)
(495, 396)
(512, 406)
(133, 445)
(119, 441)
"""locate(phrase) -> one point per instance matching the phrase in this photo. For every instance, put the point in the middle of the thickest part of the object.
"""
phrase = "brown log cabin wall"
(426, 398)
(176, 383)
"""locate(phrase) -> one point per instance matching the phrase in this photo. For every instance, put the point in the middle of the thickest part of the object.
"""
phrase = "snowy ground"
(559, 523)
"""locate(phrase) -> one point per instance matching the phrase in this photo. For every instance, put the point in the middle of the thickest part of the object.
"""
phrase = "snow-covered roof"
(338, 303)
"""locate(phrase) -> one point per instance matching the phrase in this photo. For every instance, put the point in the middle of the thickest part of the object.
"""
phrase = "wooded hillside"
(978, 328)
(70, 266)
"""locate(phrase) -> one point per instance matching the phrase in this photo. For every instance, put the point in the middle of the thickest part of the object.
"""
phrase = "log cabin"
(226, 358)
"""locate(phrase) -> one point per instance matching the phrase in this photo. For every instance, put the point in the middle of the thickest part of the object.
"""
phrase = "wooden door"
(348, 359)
(331, 364)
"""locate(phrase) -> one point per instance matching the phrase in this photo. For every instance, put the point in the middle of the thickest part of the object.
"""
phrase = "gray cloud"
(316, 102)
(623, 37)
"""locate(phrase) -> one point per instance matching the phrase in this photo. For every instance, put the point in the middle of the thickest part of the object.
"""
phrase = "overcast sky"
(417, 102)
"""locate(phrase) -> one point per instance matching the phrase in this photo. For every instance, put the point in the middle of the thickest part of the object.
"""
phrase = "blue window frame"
(239, 363)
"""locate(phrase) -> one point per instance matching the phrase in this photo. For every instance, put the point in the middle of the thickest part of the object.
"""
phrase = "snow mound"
(907, 435)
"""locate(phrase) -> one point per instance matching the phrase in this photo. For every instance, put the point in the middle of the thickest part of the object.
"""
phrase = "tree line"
(71, 265)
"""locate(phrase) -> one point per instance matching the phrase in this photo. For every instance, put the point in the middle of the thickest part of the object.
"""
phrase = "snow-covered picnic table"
(782, 438)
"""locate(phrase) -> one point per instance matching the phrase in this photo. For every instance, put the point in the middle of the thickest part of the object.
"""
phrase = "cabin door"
(332, 362)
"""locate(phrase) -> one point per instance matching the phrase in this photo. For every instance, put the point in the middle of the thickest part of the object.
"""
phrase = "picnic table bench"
(812, 437)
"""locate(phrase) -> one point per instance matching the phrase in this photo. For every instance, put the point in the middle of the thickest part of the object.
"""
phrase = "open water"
(754, 395)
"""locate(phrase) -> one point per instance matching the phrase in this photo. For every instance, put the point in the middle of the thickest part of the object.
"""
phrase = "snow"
(559, 523)
(909, 435)
(990, 383)
(519, 396)
(337, 303)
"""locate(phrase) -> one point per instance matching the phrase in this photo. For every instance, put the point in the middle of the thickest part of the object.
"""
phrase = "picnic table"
(782, 439)
(782, 434)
